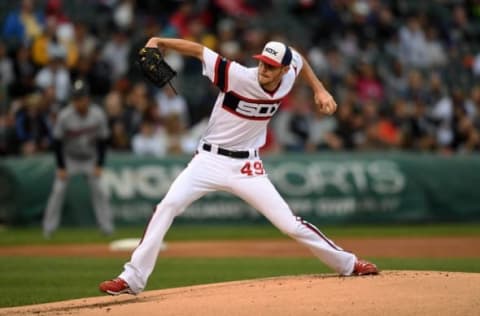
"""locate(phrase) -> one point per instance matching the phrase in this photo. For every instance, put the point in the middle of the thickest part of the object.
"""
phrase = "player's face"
(269, 76)
(81, 104)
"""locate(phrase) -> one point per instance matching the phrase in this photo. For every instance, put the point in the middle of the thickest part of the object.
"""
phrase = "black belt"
(229, 153)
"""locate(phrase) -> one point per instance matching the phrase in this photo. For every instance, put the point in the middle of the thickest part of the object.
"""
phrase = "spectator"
(100, 74)
(369, 137)
(346, 128)
(86, 43)
(412, 43)
(318, 60)
(23, 24)
(119, 139)
(348, 46)
(389, 127)
(169, 102)
(116, 52)
(434, 51)
(115, 110)
(421, 132)
(55, 74)
(322, 136)
(40, 45)
(461, 30)
(472, 105)
(123, 14)
(396, 81)
(114, 106)
(384, 25)
(467, 138)
(228, 44)
(442, 114)
(292, 126)
(368, 85)
(198, 32)
(406, 61)
(64, 29)
(24, 71)
(476, 65)
(338, 68)
(137, 108)
(416, 88)
(45, 42)
(177, 139)
(180, 19)
(149, 141)
(6, 67)
(32, 127)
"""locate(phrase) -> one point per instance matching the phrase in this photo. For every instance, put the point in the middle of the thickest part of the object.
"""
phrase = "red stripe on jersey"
(215, 72)
(253, 118)
(227, 68)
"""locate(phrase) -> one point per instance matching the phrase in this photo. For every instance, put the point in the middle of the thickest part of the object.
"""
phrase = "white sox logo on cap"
(271, 51)
(275, 54)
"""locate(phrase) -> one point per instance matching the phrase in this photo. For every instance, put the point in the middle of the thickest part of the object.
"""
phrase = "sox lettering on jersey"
(257, 110)
(250, 108)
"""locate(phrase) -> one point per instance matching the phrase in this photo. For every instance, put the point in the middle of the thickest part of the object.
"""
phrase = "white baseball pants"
(101, 205)
(245, 178)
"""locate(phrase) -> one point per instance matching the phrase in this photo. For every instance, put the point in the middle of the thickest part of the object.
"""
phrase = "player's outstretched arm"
(182, 46)
(323, 99)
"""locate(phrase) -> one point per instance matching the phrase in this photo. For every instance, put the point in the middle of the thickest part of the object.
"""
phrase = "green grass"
(36, 280)
(20, 236)
(39, 280)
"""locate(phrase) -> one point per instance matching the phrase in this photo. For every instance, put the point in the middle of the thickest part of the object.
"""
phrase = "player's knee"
(288, 229)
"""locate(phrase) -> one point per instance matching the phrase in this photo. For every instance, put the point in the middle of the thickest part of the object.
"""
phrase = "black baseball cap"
(80, 89)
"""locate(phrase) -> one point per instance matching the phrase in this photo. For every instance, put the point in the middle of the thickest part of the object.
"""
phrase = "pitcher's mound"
(390, 293)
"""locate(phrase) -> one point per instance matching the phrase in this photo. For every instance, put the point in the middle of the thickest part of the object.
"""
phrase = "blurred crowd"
(405, 73)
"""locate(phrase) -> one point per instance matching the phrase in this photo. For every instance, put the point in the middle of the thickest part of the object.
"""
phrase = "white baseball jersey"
(238, 122)
(243, 108)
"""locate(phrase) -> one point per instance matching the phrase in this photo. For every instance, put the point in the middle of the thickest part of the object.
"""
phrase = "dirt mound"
(390, 293)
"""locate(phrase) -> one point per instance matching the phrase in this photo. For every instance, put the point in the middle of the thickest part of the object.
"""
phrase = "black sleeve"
(101, 151)
(58, 148)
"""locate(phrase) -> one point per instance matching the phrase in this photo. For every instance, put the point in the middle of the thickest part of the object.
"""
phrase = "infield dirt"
(390, 293)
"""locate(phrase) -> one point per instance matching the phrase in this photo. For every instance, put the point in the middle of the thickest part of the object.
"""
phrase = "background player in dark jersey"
(80, 136)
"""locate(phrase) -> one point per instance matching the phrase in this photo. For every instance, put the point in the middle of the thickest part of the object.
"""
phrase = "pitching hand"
(325, 102)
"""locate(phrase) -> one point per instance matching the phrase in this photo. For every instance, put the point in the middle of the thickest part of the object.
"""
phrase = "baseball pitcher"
(80, 136)
(228, 157)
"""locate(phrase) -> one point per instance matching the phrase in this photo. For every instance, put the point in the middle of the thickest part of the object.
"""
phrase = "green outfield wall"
(323, 188)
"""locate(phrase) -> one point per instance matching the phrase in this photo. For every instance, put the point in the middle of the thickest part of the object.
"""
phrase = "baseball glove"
(154, 67)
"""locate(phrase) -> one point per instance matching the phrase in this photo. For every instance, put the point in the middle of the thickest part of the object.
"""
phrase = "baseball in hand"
(325, 102)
